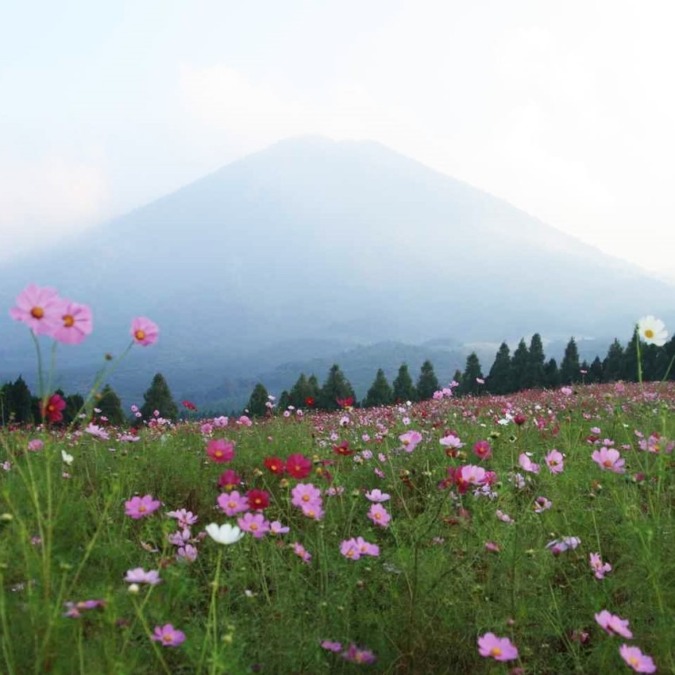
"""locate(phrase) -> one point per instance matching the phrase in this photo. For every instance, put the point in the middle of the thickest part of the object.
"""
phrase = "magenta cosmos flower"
(143, 331)
(220, 450)
(139, 507)
(379, 515)
(497, 648)
(639, 662)
(75, 323)
(168, 635)
(38, 308)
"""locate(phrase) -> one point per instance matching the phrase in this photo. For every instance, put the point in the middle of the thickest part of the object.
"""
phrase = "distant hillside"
(311, 247)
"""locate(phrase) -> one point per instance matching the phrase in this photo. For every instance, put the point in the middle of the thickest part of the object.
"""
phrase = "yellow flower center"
(254, 526)
(607, 463)
(305, 498)
(649, 333)
(37, 312)
(167, 637)
(68, 321)
(139, 335)
(495, 651)
(142, 508)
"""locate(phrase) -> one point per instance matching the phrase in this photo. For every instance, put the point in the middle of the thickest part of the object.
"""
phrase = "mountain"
(313, 247)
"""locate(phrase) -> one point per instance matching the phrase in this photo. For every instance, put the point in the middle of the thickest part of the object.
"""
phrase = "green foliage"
(427, 383)
(380, 393)
(404, 389)
(304, 390)
(158, 397)
(17, 403)
(257, 404)
(551, 374)
(335, 388)
(534, 373)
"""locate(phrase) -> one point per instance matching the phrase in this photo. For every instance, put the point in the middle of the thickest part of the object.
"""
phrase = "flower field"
(530, 533)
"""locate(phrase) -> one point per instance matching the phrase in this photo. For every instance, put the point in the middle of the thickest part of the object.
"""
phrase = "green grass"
(419, 606)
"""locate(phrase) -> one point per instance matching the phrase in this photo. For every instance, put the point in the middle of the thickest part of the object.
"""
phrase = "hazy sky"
(565, 109)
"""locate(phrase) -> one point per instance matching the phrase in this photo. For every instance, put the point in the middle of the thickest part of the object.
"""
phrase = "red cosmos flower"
(220, 450)
(343, 449)
(53, 410)
(229, 480)
(298, 466)
(275, 465)
(310, 401)
(345, 402)
(189, 405)
(258, 499)
(520, 419)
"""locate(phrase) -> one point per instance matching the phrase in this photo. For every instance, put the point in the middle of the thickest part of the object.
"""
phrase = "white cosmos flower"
(652, 331)
(224, 534)
(68, 459)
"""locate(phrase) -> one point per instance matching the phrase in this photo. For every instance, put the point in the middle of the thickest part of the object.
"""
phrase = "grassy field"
(496, 539)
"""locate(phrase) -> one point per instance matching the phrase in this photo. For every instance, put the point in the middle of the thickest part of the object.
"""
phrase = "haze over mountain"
(311, 247)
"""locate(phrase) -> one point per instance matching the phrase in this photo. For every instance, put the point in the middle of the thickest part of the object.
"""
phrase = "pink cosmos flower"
(36, 445)
(305, 494)
(613, 624)
(639, 662)
(558, 546)
(74, 609)
(75, 323)
(410, 440)
(355, 548)
(451, 441)
(139, 576)
(143, 331)
(377, 496)
(277, 528)
(302, 552)
(609, 459)
(232, 502)
(356, 654)
(504, 517)
(168, 635)
(220, 450)
(229, 479)
(555, 461)
(53, 409)
(188, 553)
(313, 510)
(599, 568)
(498, 648)
(542, 504)
(331, 646)
(379, 515)
(184, 518)
(38, 307)
(256, 524)
(139, 507)
(527, 464)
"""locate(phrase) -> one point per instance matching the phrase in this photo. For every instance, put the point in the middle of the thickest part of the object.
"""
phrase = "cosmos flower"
(143, 331)
(497, 648)
(652, 331)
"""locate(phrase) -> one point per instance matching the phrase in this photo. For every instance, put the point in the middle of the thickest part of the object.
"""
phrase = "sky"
(563, 109)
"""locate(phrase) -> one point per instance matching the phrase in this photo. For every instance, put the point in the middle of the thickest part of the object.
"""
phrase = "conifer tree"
(499, 379)
(458, 377)
(284, 400)
(335, 388)
(380, 393)
(594, 375)
(257, 404)
(427, 383)
(158, 397)
(472, 371)
(551, 374)
(299, 393)
(108, 402)
(612, 364)
(314, 390)
(534, 375)
(569, 368)
(74, 404)
(404, 389)
(629, 367)
(19, 402)
(519, 366)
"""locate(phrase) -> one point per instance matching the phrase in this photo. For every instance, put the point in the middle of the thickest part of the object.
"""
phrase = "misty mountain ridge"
(311, 248)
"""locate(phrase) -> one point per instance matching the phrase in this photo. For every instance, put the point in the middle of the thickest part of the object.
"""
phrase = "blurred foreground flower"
(143, 331)
(168, 635)
(652, 331)
(498, 648)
